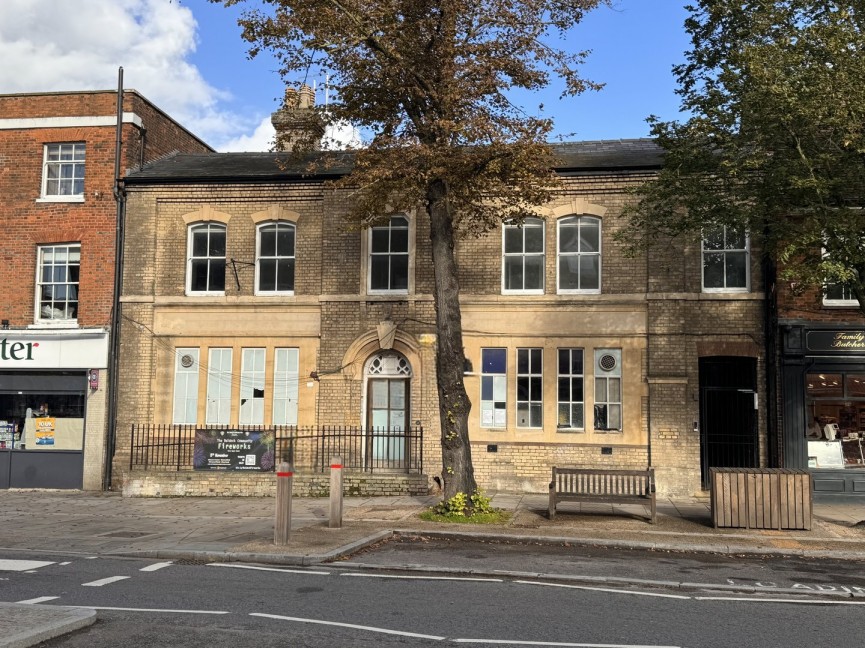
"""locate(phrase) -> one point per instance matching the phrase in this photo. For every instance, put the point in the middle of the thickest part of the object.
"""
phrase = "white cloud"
(51, 45)
(341, 136)
(260, 140)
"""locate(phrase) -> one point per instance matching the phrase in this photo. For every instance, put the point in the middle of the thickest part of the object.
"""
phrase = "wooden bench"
(599, 485)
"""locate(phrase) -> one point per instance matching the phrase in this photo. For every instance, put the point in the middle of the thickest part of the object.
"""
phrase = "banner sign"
(233, 450)
(45, 427)
(836, 341)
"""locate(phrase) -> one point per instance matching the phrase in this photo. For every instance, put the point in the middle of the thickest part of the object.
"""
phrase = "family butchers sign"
(838, 341)
(233, 450)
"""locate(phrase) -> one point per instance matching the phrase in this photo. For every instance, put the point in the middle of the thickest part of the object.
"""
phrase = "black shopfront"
(822, 405)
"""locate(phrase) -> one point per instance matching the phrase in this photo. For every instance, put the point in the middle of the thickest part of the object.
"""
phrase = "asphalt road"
(149, 604)
(769, 572)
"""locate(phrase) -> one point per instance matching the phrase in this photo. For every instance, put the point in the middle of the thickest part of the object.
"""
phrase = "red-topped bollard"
(282, 528)
(335, 493)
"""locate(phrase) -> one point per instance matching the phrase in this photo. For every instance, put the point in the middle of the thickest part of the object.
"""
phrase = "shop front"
(823, 405)
(47, 379)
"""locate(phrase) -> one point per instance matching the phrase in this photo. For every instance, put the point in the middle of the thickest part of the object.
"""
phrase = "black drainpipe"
(120, 199)
(774, 453)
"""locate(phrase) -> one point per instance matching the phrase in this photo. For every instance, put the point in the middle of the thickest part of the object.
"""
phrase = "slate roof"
(574, 157)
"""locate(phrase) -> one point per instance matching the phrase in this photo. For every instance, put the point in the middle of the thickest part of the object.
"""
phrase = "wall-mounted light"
(93, 379)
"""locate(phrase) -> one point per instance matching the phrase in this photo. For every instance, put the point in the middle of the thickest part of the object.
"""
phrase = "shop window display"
(835, 419)
(41, 421)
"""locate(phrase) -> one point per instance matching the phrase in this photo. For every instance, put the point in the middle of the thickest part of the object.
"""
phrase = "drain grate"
(125, 534)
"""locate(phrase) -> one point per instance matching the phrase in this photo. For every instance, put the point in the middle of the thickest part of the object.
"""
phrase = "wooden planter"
(761, 498)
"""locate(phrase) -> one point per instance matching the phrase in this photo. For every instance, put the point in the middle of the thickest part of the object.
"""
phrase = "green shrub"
(476, 509)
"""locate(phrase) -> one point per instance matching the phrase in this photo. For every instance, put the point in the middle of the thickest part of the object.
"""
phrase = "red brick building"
(58, 214)
(820, 355)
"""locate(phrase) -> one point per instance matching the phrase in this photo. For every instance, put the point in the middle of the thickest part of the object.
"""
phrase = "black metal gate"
(728, 414)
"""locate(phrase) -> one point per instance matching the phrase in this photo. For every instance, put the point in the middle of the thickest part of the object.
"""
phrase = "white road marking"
(348, 625)
(272, 569)
(104, 581)
(41, 599)
(511, 642)
(605, 589)
(155, 566)
(447, 578)
(122, 609)
(810, 601)
(90, 557)
(65, 563)
(22, 565)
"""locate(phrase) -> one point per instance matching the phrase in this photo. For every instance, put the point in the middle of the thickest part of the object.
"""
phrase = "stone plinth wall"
(247, 484)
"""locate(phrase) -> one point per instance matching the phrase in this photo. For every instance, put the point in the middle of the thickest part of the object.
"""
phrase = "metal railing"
(162, 446)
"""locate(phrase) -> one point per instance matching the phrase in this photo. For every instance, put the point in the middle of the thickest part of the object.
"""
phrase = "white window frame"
(390, 254)
(498, 383)
(219, 386)
(253, 369)
(77, 163)
(535, 397)
(845, 302)
(606, 378)
(570, 376)
(579, 220)
(69, 286)
(185, 386)
(528, 223)
(286, 376)
(724, 252)
(276, 257)
(191, 230)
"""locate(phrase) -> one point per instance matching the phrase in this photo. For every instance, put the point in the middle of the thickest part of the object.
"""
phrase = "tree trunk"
(458, 475)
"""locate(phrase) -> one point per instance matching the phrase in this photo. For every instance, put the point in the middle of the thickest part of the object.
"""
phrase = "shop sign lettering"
(16, 350)
(840, 341)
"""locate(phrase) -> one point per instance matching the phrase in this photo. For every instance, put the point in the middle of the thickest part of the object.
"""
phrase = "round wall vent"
(607, 362)
(186, 360)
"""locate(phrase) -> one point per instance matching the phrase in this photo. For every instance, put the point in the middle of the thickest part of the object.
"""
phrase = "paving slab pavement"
(241, 529)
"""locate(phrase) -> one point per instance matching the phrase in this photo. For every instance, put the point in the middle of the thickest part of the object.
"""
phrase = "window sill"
(523, 292)
(60, 199)
(579, 292)
(275, 293)
(54, 324)
(840, 304)
(387, 293)
(205, 294)
(570, 431)
(607, 431)
(726, 291)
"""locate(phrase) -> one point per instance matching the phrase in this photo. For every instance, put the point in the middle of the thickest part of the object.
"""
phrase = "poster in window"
(45, 431)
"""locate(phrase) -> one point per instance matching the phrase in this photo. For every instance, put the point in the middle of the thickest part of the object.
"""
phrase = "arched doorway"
(388, 386)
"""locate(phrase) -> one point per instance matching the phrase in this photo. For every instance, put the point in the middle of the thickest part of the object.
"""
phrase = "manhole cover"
(125, 534)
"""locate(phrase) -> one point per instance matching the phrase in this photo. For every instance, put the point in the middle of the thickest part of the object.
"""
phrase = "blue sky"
(187, 56)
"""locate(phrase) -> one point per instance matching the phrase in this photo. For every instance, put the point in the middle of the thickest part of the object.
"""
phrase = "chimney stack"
(298, 126)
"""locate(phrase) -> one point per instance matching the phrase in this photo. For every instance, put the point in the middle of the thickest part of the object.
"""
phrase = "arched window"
(523, 257)
(274, 259)
(579, 262)
(206, 259)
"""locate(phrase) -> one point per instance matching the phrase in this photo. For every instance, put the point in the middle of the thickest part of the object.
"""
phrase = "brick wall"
(651, 306)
